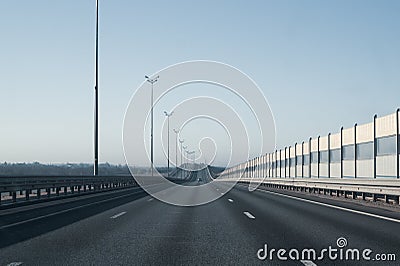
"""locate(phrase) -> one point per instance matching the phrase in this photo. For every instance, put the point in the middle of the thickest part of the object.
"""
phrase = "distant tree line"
(68, 169)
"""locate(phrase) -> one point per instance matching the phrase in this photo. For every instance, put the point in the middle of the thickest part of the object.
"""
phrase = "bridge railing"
(15, 189)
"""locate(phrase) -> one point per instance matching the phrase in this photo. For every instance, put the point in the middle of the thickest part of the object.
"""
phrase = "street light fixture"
(168, 115)
(152, 81)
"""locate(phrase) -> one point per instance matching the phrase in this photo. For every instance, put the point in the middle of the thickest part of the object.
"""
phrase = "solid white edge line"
(117, 215)
(17, 263)
(66, 210)
(308, 263)
(150, 199)
(334, 206)
(249, 215)
(230, 200)
(71, 209)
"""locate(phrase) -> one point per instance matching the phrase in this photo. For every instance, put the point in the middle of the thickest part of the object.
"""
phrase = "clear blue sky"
(321, 64)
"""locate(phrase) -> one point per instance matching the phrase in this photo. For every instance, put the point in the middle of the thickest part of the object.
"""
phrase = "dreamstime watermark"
(334, 253)
(249, 132)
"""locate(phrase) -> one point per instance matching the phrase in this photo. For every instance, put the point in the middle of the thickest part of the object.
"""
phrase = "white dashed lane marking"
(117, 215)
(308, 263)
(249, 215)
(230, 200)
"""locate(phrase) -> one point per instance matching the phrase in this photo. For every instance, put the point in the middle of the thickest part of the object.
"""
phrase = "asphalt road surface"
(129, 227)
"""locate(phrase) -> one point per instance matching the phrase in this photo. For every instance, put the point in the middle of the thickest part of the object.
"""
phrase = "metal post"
(168, 116)
(151, 133)
(309, 158)
(295, 159)
(398, 143)
(152, 81)
(375, 145)
(318, 157)
(341, 152)
(355, 150)
(302, 159)
(329, 155)
(96, 91)
(176, 148)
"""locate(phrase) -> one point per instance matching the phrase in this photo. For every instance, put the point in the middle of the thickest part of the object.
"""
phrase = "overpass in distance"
(334, 193)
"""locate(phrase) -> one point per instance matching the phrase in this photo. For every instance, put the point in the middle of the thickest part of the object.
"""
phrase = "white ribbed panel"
(386, 125)
(306, 171)
(306, 148)
(335, 141)
(292, 170)
(335, 170)
(292, 152)
(386, 166)
(365, 133)
(298, 171)
(314, 145)
(323, 170)
(348, 168)
(314, 170)
(323, 143)
(365, 169)
(348, 136)
(298, 149)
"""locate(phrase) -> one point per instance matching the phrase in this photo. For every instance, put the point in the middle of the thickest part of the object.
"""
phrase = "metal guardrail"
(387, 190)
(13, 189)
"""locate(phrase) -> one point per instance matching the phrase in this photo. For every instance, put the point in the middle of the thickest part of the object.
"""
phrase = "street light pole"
(176, 131)
(184, 160)
(96, 97)
(181, 141)
(168, 116)
(152, 81)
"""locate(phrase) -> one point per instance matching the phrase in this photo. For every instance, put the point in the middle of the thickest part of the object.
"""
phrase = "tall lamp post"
(151, 81)
(168, 116)
(181, 141)
(176, 131)
(184, 157)
(96, 98)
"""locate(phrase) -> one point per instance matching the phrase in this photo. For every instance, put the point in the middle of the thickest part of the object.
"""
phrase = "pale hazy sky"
(321, 64)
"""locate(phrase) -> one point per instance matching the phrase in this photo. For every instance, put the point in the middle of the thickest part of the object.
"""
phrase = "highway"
(129, 227)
